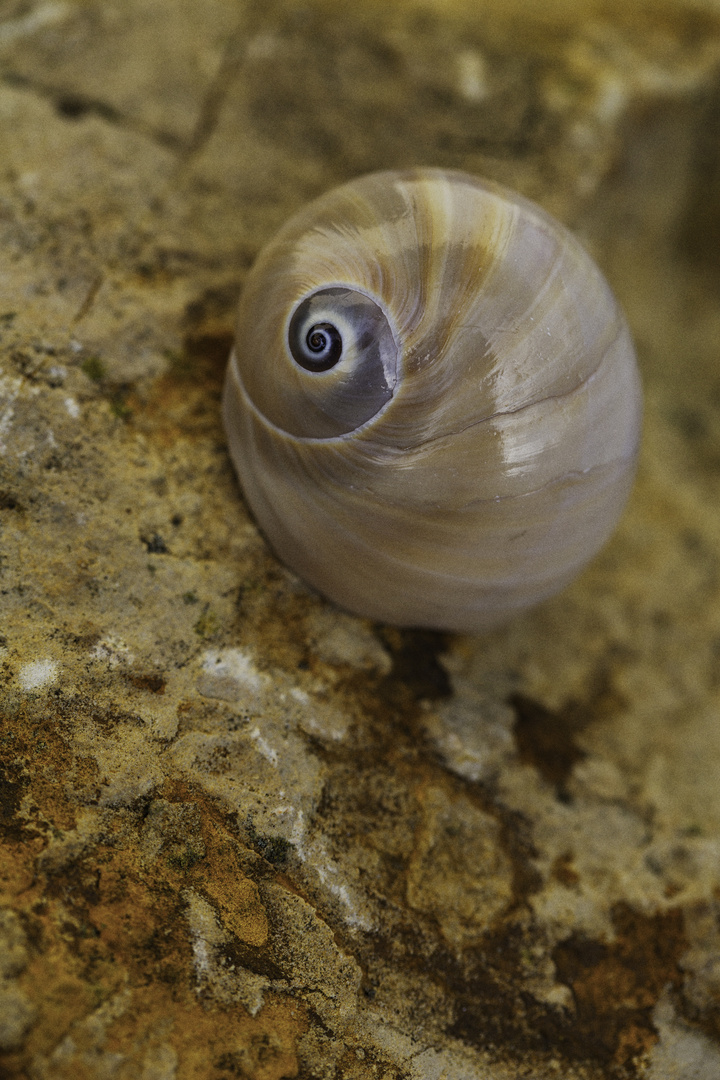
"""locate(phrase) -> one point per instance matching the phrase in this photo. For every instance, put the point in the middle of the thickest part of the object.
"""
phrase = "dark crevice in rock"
(547, 738)
(73, 107)
(416, 663)
(215, 96)
(699, 239)
(12, 789)
(8, 501)
(617, 984)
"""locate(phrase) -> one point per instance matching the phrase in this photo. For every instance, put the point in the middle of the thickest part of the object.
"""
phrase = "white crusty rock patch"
(37, 674)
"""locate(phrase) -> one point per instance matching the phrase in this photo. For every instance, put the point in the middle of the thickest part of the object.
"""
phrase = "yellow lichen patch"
(128, 914)
(136, 897)
(458, 872)
(16, 872)
(113, 967)
(62, 993)
(234, 896)
(243, 914)
(155, 1025)
(138, 1029)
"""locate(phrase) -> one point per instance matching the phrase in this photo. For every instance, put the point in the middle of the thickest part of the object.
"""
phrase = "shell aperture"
(433, 405)
(345, 330)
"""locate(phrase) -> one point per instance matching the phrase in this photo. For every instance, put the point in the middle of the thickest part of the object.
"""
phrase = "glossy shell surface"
(474, 444)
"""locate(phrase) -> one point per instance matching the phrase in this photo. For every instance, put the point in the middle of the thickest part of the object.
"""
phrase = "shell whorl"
(477, 449)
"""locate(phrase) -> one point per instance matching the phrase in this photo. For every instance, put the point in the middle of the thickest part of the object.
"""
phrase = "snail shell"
(433, 405)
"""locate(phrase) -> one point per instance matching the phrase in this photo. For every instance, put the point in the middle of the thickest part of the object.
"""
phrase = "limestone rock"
(244, 834)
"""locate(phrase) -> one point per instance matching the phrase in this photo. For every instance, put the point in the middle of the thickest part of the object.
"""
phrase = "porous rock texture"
(245, 834)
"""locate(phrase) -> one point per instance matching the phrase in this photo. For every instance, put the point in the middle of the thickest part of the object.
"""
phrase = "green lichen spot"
(273, 848)
(94, 368)
(185, 860)
(119, 407)
(207, 624)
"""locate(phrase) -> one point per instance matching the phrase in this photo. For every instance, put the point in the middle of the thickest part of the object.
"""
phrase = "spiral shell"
(433, 405)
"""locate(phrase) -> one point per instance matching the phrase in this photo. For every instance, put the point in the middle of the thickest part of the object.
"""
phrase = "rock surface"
(245, 834)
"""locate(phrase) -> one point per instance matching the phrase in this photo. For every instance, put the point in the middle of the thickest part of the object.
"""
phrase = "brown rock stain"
(458, 872)
(617, 984)
(213, 1045)
(184, 403)
(115, 925)
(235, 896)
(153, 682)
(562, 870)
(547, 739)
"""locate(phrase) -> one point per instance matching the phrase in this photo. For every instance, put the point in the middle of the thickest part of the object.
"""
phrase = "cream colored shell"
(469, 464)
